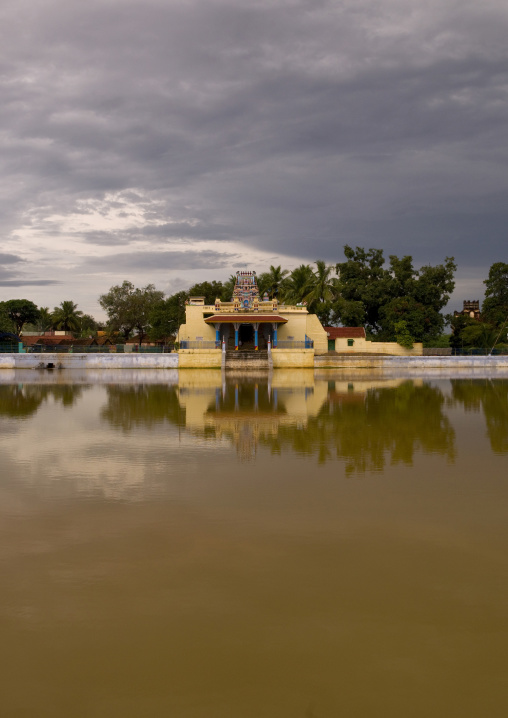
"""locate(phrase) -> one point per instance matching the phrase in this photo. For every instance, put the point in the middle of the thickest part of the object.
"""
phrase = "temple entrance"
(246, 336)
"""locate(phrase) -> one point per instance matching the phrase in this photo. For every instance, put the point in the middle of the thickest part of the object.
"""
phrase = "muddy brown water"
(292, 545)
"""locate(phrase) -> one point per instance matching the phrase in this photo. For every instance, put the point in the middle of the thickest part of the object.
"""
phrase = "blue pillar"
(275, 337)
(217, 338)
(236, 338)
(256, 336)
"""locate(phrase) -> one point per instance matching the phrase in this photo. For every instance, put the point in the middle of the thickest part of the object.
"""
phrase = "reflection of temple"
(247, 411)
(260, 409)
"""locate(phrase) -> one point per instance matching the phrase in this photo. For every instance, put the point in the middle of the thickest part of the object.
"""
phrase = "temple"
(284, 335)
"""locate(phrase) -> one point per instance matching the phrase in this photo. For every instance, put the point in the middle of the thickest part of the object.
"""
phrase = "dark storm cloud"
(28, 282)
(293, 126)
(130, 261)
(6, 258)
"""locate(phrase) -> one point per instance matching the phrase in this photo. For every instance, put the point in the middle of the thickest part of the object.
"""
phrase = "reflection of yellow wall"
(364, 345)
(286, 378)
(357, 386)
(301, 403)
(196, 380)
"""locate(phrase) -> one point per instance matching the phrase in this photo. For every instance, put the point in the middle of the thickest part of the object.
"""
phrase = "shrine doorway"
(246, 336)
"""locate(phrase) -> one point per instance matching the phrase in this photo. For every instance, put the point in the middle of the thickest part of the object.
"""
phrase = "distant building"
(471, 309)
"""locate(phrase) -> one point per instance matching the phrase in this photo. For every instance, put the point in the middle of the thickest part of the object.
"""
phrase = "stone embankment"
(415, 362)
(88, 361)
(259, 361)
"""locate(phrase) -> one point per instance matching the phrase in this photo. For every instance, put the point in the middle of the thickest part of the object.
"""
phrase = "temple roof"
(244, 318)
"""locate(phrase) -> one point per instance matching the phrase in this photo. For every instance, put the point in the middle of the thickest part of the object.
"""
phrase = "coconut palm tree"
(273, 279)
(324, 287)
(67, 317)
(296, 287)
(45, 320)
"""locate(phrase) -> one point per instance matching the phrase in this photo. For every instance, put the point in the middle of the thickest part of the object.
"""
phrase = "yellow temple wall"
(364, 345)
(316, 332)
(296, 358)
(295, 327)
(195, 326)
(199, 358)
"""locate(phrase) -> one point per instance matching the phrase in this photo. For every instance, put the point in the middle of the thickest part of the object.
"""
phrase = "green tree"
(6, 324)
(167, 316)
(118, 305)
(227, 288)
(495, 305)
(87, 326)
(402, 335)
(296, 287)
(422, 321)
(129, 308)
(272, 280)
(67, 316)
(458, 324)
(363, 281)
(45, 321)
(145, 300)
(479, 335)
(389, 295)
(21, 312)
(324, 289)
(209, 290)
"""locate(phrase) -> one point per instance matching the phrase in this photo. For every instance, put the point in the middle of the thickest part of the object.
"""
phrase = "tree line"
(392, 299)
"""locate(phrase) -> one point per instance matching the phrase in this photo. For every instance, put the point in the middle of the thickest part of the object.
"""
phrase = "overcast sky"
(172, 141)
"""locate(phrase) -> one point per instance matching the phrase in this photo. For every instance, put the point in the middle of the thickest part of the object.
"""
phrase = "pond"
(300, 544)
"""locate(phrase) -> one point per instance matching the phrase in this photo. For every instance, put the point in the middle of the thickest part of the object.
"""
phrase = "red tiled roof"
(345, 332)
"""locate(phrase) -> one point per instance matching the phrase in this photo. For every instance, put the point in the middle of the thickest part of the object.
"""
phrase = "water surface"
(310, 545)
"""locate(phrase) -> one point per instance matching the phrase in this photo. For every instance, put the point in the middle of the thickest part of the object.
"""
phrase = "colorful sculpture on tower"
(246, 291)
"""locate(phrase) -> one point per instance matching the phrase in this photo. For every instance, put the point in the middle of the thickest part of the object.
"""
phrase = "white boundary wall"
(89, 361)
(170, 361)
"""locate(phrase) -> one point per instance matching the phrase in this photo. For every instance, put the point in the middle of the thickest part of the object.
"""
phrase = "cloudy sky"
(170, 141)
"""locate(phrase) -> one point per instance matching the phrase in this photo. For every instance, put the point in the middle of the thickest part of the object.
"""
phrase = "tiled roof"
(345, 332)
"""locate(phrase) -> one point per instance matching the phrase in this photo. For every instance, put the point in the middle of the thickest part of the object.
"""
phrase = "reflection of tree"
(21, 400)
(130, 406)
(67, 394)
(390, 422)
(491, 395)
(24, 399)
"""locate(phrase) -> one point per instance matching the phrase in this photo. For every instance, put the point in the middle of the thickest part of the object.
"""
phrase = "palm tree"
(228, 287)
(296, 287)
(274, 279)
(324, 286)
(45, 320)
(67, 316)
